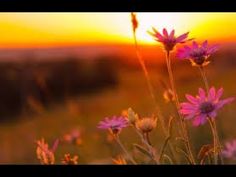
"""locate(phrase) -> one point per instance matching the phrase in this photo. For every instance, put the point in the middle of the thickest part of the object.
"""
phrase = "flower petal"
(213, 114)
(182, 37)
(192, 99)
(199, 120)
(165, 33)
(187, 111)
(205, 44)
(221, 103)
(202, 94)
(212, 94)
(219, 94)
(190, 116)
(195, 45)
(212, 49)
(172, 34)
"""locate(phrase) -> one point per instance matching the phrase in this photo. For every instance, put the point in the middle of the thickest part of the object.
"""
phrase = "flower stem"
(163, 148)
(214, 139)
(150, 148)
(182, 122)
(218, 144)
(124, 149)
(151, 90)
(150, 87)
(204, 78)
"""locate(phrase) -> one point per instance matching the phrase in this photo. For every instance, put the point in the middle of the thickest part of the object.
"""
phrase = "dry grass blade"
(142, 150)
(168, 158)
(204, 152)
(168, 138)
(184, 153)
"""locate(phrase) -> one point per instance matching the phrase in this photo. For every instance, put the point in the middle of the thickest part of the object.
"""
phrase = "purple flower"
(115, 124)
(197, 54)
(230, 150)
(202, 106)
(168, 40)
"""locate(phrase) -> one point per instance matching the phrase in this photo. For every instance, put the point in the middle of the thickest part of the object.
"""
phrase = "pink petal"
(172, 34)
(221, 103)
(229, 145)
(183, 54)
(202, 94)
(192, 99)
(196, 122)
(165, 33)
(205, 44)
(182, 37)
(190, 116)
(212, 94)
(213, 114)
(199, 120)
(188, 106)
(157, 34)
(212, 49)
(187, 111)
(195, 45)
(219, 94)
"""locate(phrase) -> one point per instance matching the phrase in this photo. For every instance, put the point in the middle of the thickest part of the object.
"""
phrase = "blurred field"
(83, 109)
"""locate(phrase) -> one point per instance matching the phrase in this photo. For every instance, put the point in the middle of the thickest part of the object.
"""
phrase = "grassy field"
(84, 112)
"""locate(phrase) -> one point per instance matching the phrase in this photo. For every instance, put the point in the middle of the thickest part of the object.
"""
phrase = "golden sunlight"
(53, 29)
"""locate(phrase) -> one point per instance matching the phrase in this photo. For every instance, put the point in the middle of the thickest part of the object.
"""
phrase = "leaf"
(142, 150)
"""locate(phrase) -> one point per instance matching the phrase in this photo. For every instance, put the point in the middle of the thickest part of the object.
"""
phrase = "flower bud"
(146, 124)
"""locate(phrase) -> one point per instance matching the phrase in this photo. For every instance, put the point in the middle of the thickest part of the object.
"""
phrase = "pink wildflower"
(197, 54)
(230, 150)
(115, 124)
(168, 40)
(203, 106)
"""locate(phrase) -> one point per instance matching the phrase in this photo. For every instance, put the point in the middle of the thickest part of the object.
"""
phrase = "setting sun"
(55, 29)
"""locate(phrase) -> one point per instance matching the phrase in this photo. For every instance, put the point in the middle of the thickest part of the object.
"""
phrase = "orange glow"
(61, 29)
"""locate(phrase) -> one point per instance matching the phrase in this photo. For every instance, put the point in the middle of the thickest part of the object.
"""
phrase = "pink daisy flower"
(197, 54)
(115, 124)
(202, 106)
(230, 150)
(168, 40)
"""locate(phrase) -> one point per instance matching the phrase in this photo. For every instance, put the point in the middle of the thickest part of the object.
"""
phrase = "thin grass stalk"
(182, 122)
(214, 140)
(150, 148)
(124, 149)
(151, 91)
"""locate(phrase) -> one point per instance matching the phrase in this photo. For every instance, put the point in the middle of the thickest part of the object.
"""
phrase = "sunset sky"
(63, 29)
